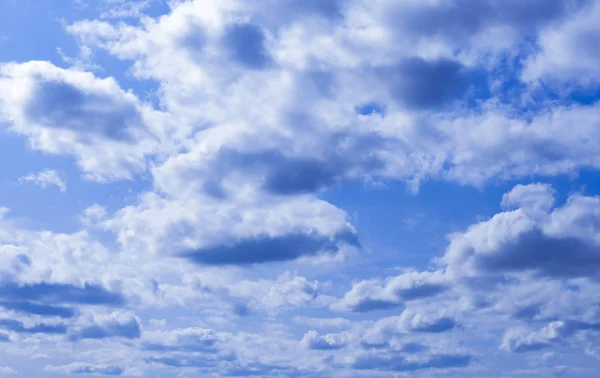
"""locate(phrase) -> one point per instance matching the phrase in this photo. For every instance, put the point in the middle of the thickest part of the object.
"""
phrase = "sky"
(300, 188)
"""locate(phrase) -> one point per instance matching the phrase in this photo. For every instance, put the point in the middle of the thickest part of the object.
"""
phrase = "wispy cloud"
(45, 179)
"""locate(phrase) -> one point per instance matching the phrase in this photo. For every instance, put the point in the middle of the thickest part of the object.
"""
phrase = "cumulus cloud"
(560, 243)
(260, 111)
(518, 341)
(75, 113)
(374, 295)
(265, 249)
(331, 341)
(565, 51)
(532, 196)
(46, 178)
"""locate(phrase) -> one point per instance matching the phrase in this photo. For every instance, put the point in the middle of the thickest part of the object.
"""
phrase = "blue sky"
(299, 188)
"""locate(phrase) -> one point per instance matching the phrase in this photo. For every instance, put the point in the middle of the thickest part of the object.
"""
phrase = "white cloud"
(5, 370)
(262, 107)
(107, 130)
(45, 178)
(408, 286)
(567, 52)
(533, 196)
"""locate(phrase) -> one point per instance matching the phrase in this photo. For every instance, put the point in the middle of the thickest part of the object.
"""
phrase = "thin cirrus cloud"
(241, 170)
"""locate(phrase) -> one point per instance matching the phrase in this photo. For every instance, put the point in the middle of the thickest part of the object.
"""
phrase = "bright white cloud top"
(300, 188)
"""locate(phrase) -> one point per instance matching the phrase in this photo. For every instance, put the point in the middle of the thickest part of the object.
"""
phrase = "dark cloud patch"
(129, 329)
(464, 18)
(241, 309)
(370, 304)
(100, 370)
(262, 370)
(291, 175)
(330, 9)
(60, 293)
(414, 348)
(58, 104)
(423, 84)
(440, 325)
(398, 363)
(528, 312)
(4, 338)
(263, 249)
(246, 42)
(184, 361)
(17, 326)
(372, 345)
(38, 309)
(544, 255)
(424, 290)
(301, 176)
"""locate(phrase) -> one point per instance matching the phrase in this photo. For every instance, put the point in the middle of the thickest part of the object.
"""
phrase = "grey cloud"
(423, 84)
(399, 363)
(371, 295)
(246, 43)
(128, 328)
(38, 309)
(19, 327)
(331, 341)
(78, 368)
(58, 104)
(465, 18)
(51, 294)
(263, 249)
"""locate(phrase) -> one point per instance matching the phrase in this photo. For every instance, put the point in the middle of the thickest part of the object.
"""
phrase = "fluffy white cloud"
(108, 130)
(373, 295)
(566, 52)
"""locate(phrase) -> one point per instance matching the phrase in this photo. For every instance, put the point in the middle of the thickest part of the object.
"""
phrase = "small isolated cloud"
(331, 341)
(46, 178)
(411, 321)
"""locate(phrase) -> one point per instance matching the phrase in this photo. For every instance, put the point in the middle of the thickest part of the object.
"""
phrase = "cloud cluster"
(259, 112)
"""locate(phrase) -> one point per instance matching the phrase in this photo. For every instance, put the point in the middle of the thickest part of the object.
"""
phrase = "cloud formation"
(244, 167)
